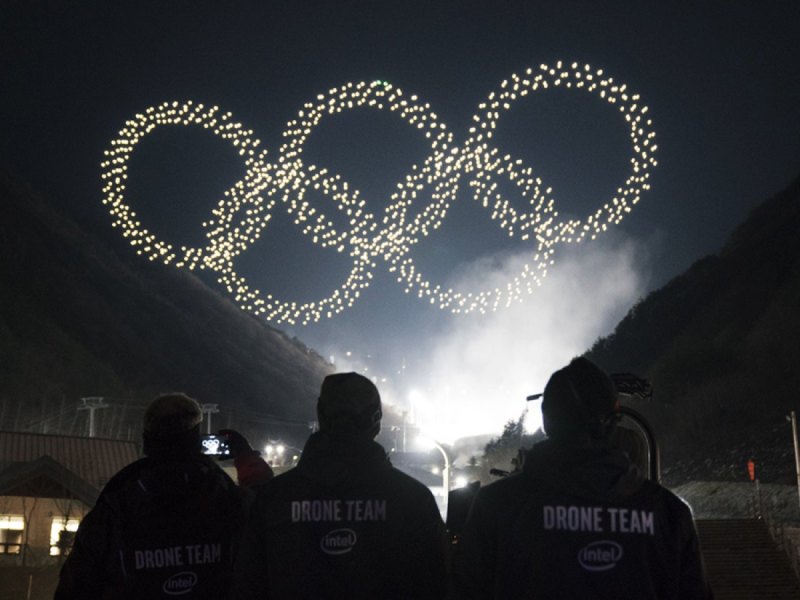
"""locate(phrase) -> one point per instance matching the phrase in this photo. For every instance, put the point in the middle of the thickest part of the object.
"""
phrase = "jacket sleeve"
(84, 574)
(693, 582)
(476, 552)
(250, 579)
(425, 575)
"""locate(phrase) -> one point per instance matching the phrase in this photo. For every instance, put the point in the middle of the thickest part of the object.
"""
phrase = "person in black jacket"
(167, 524)
(579, 521)
(344, 523)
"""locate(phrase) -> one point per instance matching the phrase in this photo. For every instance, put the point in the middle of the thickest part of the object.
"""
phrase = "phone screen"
(214, 445)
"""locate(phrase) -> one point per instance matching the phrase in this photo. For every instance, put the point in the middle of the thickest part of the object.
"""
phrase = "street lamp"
(429, 442)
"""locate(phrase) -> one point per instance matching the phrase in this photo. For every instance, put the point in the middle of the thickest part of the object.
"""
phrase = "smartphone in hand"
(215, 445)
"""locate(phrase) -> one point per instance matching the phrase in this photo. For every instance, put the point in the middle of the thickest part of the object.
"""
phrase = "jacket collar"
(332, 459)
(597, 472)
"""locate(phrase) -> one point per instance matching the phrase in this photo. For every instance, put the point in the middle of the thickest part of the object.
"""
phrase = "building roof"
(94, 460)
(45, 478)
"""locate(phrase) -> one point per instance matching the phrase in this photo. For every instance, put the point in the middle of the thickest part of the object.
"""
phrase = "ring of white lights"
(226, 239)
(482, 161)
(246, 209)
(323, 233)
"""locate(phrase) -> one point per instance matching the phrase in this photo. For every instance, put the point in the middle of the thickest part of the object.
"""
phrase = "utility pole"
(208, 410)
(405, 429)
(793, 418)
(402, 382)
(92, 403)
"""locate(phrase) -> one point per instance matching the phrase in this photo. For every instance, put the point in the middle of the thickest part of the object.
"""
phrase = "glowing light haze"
(480, 372)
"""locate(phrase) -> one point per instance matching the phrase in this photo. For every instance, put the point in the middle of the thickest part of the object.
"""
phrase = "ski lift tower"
(92, 403)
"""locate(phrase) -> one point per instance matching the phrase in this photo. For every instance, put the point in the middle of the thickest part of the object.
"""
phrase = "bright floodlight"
(424, 443)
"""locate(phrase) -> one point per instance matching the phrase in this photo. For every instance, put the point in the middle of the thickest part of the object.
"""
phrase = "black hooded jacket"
(161, 528)
(579, 523)
(344, 523)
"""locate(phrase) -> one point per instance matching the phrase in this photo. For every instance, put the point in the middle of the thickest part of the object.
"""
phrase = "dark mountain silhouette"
(83, 316)
(719, 344)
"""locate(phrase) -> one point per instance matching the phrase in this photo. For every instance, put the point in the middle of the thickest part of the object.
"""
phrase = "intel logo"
(180, 583)
(600, 556)
(338, 541)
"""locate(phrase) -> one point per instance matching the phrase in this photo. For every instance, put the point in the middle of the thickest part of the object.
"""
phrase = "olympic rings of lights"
(244, 212)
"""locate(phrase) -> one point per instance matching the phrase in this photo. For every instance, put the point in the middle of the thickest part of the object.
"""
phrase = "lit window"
(11, 527)
(62, 534)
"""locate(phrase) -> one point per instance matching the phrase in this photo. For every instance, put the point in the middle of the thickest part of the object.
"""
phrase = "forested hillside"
(81, 316)
(719, 344)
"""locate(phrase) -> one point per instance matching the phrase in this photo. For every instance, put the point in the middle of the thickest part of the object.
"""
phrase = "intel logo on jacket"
(338, 541)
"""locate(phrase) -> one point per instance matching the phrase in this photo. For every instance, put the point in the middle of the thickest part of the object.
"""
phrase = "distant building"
(47, 485)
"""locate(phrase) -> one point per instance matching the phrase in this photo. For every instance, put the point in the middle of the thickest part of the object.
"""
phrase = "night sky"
(721, 81)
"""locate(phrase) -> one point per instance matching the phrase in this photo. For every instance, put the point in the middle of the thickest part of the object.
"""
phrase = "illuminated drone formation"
(246, 208)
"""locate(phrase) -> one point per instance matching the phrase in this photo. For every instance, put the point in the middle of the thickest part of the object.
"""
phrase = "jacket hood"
(600, 473)
(330, 460)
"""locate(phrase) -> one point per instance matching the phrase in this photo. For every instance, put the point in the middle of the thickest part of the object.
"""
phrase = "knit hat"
(349, 404)
(172, 425)
(580, 399)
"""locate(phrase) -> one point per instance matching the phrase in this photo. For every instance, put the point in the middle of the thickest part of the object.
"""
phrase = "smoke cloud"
(480, 370)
